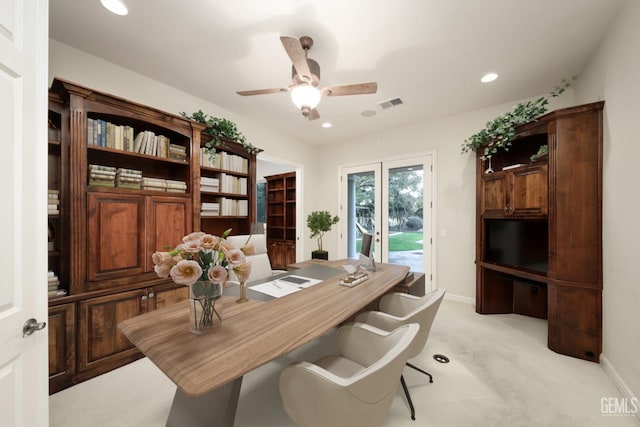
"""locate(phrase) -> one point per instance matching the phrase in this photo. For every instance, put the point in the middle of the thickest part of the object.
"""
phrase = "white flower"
(186, 272)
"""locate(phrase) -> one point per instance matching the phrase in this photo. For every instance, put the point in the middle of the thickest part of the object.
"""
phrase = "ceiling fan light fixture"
(305, 96)
(115, 6)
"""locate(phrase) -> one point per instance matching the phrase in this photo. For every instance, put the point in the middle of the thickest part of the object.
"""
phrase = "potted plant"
(500, 132)
(220, 129)
(319, 222)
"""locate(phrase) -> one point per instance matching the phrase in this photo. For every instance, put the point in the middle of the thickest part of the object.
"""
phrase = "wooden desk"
(207, 367)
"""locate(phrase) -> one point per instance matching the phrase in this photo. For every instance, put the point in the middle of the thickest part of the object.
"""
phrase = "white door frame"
(300, 220)
(24, 368)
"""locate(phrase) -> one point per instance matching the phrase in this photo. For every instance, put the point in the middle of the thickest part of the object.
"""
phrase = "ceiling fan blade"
(313, 115)
(298, 58)
(262, 91)
(355, 89)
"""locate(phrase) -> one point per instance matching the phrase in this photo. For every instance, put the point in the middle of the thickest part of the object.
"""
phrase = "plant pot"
(320, 255)
(205, 307)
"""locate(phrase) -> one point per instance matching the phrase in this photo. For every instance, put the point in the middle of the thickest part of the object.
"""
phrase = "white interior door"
(23, 218)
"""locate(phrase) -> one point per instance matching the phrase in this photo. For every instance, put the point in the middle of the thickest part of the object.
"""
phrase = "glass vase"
(205, 306)
(243, 292)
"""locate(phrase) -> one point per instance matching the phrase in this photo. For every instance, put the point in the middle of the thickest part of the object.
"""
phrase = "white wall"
(455, 178)
(88, 70)
(612, 76)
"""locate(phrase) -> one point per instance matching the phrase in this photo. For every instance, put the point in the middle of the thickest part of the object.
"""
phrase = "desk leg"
(216, 408)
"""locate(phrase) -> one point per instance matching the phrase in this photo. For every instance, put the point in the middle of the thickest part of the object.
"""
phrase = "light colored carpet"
(501, 374)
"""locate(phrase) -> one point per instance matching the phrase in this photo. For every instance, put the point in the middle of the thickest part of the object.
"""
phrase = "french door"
(392, 200)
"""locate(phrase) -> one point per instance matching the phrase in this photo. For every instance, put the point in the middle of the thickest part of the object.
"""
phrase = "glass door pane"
(404, 198)
(360, 207)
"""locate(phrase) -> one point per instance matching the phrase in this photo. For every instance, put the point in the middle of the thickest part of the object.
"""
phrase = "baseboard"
(618, 381)
(460, 298)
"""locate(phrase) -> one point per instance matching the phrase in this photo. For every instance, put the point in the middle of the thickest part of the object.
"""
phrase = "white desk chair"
(354, 388)
(398, 309)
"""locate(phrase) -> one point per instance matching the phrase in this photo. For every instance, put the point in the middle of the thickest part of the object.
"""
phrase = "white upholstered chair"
(260, 263)
(353, 388)
(398, 309)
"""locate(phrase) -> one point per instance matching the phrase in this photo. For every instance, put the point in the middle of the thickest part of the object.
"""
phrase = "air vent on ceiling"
(391, 103)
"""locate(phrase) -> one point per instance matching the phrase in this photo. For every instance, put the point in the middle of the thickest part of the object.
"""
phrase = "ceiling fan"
(305, 76)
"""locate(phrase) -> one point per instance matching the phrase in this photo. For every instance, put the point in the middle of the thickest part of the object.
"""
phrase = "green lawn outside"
(407, 241)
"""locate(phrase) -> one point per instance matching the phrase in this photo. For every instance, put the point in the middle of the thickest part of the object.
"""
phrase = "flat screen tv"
(518, 243)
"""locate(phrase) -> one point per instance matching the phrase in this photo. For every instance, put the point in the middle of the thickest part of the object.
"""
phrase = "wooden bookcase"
(539, 229)
(235, 170)
(103, 236)
(281, 219)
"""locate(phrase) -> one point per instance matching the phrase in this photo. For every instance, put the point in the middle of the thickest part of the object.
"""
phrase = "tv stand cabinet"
(565, 191)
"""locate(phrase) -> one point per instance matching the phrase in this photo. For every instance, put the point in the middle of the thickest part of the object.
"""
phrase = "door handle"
(32, 325)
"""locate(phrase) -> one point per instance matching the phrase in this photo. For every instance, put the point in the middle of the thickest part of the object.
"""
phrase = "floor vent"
(391, 103)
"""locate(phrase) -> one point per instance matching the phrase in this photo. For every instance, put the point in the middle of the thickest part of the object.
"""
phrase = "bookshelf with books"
(227, 190)
(281, 219)
(126, 189)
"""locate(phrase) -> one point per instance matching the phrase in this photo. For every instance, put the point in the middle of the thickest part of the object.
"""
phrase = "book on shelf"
(209, 209)
(102, 183)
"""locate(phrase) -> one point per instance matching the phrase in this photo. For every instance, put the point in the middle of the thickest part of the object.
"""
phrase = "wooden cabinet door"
(276, 255)
(101, 345)
(62, 346)
(168, 221)
(165, 295)
(289, 254)
(530, 193)
(494, 194)
(116, 235)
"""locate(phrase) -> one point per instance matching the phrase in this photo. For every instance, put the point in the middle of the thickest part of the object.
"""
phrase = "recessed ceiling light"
(115, 6)
(489, 77)
(326, 125)
(368, 113)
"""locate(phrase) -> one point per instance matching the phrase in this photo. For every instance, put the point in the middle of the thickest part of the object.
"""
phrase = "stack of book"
(232, 207)
(54, 285)
(209, 160)
(102, 176)
(210, 209)
(53, 202)
(106, 134)
(233, 162)
(147, 142)
(232, 184)
(155, 184)
(177, 152)
(174, 186)
(128, 178)
(210, 185)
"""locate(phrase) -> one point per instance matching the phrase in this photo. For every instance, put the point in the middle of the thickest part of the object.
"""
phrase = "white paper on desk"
(279, 288)
(275, 289)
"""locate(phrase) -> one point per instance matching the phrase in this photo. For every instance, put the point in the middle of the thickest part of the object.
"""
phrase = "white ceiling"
(430, 53)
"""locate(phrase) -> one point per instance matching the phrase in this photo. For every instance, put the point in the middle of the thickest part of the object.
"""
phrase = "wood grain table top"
(252, 333)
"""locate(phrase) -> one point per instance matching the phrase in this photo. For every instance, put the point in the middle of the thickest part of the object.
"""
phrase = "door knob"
(32, 325)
